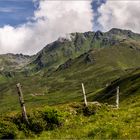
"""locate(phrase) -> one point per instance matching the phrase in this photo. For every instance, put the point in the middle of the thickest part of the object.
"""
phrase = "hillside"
(70, 47)
(74, 121)
(129, 87)
(13, 62)
(76, 44)
(51, 84)
(96, 59)
(96, 68)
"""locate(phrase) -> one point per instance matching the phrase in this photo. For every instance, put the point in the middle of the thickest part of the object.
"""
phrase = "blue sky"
(15, 12)
(95, 5)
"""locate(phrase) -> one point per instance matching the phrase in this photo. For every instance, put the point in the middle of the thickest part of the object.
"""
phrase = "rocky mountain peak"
(117, 31)
(98, 35)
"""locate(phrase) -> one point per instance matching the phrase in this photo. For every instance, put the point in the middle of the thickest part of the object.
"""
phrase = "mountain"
(13, 62)
(101, 61)
(57, 71)
(72, 46)
(62, 49)
(76, 44)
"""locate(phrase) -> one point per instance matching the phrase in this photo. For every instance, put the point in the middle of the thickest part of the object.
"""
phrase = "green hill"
(102, 61)
(63, 49)
(96, 68)
(57, 71)
(129, 89)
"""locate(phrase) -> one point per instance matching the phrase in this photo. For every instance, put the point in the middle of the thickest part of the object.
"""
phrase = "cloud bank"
(52, 19)
(120, 14)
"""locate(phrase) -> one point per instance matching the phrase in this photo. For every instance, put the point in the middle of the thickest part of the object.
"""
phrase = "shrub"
(34, 125)
(46, 119)
(8, 130)
(37, 124)
(18, 121)
(53, 118)
(91, 109)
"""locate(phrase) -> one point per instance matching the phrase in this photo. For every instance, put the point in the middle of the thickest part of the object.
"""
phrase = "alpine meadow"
(83, 85)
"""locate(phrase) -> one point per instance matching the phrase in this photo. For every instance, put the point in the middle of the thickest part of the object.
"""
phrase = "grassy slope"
(64, 85)
(95, 68)
(110, 64)
(129, 89)
(108, 123)
(105, 123)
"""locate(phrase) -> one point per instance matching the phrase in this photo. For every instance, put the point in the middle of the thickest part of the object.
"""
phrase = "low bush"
(53, 117)
(36, 122)
(21, 125)
(39, 120)
(91, 109)
(8, 130)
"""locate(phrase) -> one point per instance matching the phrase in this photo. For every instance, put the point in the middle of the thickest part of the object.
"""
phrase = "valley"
(53, 77)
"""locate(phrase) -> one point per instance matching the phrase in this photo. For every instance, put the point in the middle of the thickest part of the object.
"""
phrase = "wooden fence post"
(84, 93)
(22, 104)
(117, 97)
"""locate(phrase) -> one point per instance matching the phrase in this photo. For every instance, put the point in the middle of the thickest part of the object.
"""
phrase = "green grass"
(129, 88)
(64, 85)
(100, 67)
(106, 124)
(98, 122)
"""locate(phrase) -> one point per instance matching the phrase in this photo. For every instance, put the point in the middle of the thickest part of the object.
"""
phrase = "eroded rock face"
(8, 74)
(98, 35)
(66, 65)
(90, 58)
(117, 31)
(88, 34)
(134, 47)
(10, 61)
(39, 61)
(109, 41)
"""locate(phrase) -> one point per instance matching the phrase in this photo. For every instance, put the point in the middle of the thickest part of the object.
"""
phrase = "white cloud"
(53, 19)
(120, 14)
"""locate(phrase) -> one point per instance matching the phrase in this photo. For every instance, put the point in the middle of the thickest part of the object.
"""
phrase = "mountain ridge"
(71, 46)
(59, 52)
(57, 71)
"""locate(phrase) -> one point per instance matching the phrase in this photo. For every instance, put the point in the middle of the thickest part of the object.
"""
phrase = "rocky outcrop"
(66, 65)
(98, 35)
(90, 58)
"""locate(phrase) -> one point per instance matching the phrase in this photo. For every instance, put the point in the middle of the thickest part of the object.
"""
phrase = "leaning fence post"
(22, 103)
(117, 97)
(84, 93)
